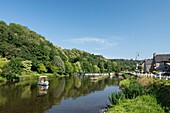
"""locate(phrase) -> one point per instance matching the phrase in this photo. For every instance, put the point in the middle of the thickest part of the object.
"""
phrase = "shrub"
(141, 104)
(133, 90)
(145, 81)
(114, 98)
(126, 75)
(155, 72)
(124, 82)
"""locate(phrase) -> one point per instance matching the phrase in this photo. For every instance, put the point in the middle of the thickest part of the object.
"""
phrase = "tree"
(68, 68)
(26, 65)
(58, 62)
(86, 66)
(13, 68)
(41, 68)
(96, 69)
(3, 61)
(54, 69)
(77, 67)
(101, 66)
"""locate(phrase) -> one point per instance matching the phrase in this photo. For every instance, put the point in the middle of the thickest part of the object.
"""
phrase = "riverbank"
(35, 75)
(144, 94)
(32, 76)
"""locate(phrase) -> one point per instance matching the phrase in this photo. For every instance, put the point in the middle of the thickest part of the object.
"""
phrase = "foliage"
(146, 81)
(2, 79)
(26, 65)
(133, 90)
(54, 69)
(96, 69)
(13, 68)
(127, 75)
(40, 55)
(68, 68)
(141, 104)
(125, 82)
(115, 98)
(125, 64)
(41, 68)
(161, 90)
(3, 61)
(155, 72)
(58, 62)
(144, 86)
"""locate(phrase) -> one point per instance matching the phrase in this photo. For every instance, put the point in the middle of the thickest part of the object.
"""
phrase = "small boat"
(43, 81)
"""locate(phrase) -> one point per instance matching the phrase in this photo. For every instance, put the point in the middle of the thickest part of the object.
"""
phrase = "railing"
(95, 74)
(98, 74)
(160, 75)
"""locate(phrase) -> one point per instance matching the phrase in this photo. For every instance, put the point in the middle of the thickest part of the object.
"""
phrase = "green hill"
(23, 51)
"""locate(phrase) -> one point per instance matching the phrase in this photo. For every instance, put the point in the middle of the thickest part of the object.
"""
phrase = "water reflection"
(30, 98)
(43, 89)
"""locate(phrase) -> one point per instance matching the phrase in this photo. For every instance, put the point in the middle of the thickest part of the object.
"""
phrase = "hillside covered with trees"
(23, 51)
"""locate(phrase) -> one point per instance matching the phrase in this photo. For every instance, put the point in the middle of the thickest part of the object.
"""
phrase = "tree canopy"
(26, 51)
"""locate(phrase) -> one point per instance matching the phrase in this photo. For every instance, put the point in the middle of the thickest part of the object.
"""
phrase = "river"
(64, 95)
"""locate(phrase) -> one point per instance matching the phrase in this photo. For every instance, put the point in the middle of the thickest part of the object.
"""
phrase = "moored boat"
(43, 81)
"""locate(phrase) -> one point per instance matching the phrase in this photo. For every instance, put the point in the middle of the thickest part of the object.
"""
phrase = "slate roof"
(147, 61)
(162, 58)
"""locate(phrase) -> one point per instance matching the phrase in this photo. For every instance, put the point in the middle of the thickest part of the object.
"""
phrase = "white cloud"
(99, 41)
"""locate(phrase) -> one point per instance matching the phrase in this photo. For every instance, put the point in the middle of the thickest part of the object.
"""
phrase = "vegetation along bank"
(144, 95)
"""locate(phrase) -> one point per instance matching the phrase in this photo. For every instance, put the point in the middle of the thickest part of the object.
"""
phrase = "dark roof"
(147, 61)
(162, 58)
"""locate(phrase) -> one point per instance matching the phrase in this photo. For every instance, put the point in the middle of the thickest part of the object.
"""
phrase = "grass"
(141, 104)
(135, 92)
(125, 82)
(128, 75)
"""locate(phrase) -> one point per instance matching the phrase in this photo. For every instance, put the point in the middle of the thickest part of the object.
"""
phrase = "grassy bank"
(32, 76)
(140, 104)
(144, 95)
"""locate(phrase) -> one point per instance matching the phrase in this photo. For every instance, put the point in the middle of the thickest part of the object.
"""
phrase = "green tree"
(101, 66)
(96, 69)
(26, 65)
(57, 61)
(54, 69)
(13, 68)
(77, 67)
(41, 68)
(68, 68)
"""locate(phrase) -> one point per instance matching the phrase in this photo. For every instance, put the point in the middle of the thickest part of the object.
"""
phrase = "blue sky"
(112, 28)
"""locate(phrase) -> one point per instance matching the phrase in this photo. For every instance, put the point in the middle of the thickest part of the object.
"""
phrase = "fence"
(160, 75)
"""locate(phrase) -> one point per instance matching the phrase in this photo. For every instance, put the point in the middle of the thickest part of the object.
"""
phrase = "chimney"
(154, 54)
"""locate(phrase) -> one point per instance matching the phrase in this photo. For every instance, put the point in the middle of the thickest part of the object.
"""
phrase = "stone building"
(160, 63)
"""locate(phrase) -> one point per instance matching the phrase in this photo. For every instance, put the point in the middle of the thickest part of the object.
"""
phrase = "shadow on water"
(29, 98)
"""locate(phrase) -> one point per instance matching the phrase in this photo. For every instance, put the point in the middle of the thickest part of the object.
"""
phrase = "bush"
(114, 98)
(141, 104)
(145, 81)
(133, 90)
(126, 75)
(124, 82)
